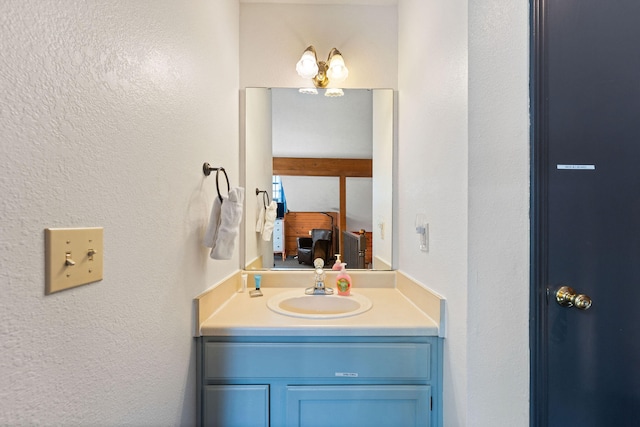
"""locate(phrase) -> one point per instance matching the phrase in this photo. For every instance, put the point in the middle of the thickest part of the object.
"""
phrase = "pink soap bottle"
(343, 281)
(338, 264)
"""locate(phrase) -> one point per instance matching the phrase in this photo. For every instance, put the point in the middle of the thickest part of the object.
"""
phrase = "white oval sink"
(295, 303)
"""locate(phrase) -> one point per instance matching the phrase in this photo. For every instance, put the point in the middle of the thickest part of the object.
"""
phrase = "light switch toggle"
(91, 253)
(68, 261)
(422, 228)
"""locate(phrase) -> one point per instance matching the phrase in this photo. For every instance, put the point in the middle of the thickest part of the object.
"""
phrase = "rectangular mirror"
(328, 161)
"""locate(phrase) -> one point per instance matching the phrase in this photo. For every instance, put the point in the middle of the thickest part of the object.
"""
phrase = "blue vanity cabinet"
(320, 381)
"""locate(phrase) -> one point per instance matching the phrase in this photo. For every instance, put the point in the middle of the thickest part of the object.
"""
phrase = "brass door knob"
(567, 297)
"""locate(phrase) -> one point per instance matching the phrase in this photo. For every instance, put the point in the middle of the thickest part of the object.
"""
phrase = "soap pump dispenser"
(343, 281)
(338, 264)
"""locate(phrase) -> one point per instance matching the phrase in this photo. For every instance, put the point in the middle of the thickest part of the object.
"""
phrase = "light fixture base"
(321, 80)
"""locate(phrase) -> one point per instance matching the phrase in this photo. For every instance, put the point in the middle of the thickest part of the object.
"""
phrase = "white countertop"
(392, 314)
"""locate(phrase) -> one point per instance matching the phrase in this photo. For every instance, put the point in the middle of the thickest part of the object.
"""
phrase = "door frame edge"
(538, 401)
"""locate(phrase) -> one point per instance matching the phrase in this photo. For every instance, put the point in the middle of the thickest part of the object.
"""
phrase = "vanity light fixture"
(320, 72)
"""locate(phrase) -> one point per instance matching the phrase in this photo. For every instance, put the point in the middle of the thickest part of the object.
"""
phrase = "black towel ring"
(207, 169)
(265, 195)
(218, 184)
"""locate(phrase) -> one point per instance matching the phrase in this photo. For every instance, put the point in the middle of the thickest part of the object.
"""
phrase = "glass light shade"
(308, 90)
(337, 71)
(307, 67)
(333, 92)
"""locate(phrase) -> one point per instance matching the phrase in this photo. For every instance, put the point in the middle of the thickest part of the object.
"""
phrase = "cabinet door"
(348, 406)
(235, 405)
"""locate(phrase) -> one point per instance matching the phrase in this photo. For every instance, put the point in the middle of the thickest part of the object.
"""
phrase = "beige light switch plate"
(73, 257)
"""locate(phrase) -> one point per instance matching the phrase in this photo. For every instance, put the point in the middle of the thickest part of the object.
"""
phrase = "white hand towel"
(260, 219)
(269, 221)
(214, 222)
(230, 218)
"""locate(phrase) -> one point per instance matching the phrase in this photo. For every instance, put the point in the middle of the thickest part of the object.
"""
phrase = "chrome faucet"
(319, 275)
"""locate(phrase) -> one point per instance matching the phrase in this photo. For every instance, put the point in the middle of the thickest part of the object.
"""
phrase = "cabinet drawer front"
(318, 360)
(277, 243)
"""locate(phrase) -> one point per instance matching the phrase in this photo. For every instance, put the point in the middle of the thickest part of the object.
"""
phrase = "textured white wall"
(273, 36)
(498, 327)
(107, 111)
(463, 161)
(432, 170)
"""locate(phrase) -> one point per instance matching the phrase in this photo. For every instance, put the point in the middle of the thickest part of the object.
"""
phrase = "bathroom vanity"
(258, 367)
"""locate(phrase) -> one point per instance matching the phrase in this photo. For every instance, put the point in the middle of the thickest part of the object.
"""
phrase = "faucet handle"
(318, 263)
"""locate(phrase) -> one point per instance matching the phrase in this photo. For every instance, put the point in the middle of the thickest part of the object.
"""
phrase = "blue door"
(586, 213)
